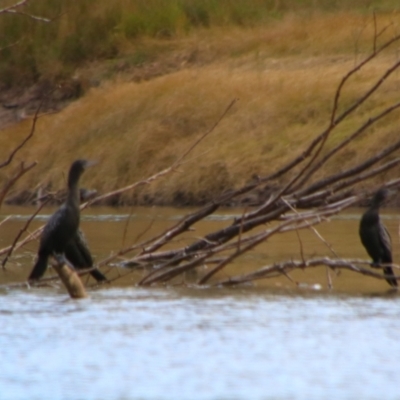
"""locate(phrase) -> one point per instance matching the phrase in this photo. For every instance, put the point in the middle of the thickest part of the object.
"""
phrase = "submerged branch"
(274, 270)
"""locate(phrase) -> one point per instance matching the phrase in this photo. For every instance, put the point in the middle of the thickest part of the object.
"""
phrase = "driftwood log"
(71, 280)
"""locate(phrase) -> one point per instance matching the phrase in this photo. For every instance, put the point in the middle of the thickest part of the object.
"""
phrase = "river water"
(273, 340)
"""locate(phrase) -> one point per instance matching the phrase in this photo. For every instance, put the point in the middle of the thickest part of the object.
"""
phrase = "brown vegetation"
(284, 76)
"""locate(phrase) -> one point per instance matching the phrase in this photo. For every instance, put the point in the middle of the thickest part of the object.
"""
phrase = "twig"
(5, 220)
(22, 144)
(166, 171)
(14, 9)
(345, 142)
(13, 6)
(314, 230)
(22, 170)
(9, 45)
(268, 271)
(328, 277)
(126, 226)
(22, 230)
(35, 17)
(163, 238)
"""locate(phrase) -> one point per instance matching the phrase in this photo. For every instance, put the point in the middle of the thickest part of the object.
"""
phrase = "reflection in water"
(198, 344)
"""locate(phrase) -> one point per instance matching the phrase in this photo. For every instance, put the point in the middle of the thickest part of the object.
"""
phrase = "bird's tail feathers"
(98, 275)
(389, 276)
(39, 268)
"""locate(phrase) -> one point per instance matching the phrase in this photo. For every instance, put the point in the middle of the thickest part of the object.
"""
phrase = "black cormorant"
(375, 237)
(77, 251)
(63, 225)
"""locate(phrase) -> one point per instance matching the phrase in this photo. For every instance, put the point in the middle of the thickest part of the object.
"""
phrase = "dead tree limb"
(25, 140)
(22, 170)
(16, 9)
(22, 230)
(248, 243)
(275, 270)
(166, 171)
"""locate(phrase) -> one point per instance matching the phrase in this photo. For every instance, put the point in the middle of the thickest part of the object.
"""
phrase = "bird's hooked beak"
(90, 163)
(390, 192)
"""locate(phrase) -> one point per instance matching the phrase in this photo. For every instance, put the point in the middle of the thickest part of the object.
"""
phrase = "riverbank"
(138, 118)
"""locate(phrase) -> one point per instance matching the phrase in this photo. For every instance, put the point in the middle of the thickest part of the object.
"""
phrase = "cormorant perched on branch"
(375, 237)
(63, 224)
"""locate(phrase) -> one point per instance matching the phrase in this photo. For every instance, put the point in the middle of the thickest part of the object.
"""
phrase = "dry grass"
(285, 76)
(83, 31)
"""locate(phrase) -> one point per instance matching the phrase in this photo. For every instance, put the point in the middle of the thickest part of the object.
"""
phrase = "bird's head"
(76, 170)
(381, 196)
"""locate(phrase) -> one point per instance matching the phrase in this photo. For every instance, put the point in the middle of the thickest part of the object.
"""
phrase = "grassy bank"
(86, 30)
(284, 75)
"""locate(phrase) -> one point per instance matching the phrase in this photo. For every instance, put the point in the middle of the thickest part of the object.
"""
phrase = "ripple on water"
(179, 344)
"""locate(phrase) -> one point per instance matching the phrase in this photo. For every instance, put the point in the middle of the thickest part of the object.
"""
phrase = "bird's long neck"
(73, 191)
(375, 207)
(372, 215)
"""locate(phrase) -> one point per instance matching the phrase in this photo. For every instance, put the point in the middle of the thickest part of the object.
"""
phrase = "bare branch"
(166, 171)
(274, 270)
(13, 6)
(349, 139)
(35, 17)
(247, 244)
(21, 231)
(22, 144)
(21, 171)
(15, 9)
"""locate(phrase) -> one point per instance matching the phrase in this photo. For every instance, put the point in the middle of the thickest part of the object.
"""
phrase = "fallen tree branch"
(276, 269)
(296, 222)
(22, 230)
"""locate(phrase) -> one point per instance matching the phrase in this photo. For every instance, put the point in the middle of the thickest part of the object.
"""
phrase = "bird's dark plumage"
(375, 237)
(78, 254)
(63, 224)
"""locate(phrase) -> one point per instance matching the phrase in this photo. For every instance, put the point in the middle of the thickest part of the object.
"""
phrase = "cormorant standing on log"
(63, 224)
(77, 251)
(375, 237)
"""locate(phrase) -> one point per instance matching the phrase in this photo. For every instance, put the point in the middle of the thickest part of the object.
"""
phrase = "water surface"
(180, 344)
(271, 341)
(110, 229)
